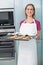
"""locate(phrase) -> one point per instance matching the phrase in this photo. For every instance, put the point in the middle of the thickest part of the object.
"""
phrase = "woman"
(27, 54)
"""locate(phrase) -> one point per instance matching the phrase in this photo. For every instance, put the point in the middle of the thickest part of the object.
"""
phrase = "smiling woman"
(27, 54)
(30, 11)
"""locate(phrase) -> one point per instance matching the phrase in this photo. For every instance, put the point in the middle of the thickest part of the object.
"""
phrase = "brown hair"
(33, 10)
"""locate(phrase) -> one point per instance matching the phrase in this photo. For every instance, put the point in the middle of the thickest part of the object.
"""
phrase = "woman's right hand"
(26, 37)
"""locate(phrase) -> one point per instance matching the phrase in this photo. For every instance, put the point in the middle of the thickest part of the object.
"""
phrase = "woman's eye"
(29, 9)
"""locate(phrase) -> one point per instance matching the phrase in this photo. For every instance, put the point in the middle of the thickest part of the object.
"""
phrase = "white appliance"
(7, 46)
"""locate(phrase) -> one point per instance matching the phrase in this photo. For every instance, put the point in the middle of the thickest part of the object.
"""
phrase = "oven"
(7, 46)
(7, 49)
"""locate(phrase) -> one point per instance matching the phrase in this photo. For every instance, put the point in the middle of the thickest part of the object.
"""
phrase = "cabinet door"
(6, 3)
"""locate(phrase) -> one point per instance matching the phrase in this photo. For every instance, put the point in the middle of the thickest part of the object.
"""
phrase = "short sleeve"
(38, 25)
(21, 22)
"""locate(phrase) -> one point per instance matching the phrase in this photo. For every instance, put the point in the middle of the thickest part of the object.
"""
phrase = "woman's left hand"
(38, 37)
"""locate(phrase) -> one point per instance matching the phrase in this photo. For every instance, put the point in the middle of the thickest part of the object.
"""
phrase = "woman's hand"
(26, 37)
(38, 37)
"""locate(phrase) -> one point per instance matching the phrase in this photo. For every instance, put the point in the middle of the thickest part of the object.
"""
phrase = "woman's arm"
(38, 29)
(38, 35)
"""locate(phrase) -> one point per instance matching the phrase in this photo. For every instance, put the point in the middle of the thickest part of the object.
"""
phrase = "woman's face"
(29, 11)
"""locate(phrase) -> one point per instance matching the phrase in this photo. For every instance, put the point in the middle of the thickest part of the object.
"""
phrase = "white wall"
(18, 16)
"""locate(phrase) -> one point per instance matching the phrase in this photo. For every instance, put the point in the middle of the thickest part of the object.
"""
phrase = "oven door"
(7, 49)
(6, 17)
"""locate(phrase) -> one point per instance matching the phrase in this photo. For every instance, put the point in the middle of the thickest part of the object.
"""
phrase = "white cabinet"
(6, 3)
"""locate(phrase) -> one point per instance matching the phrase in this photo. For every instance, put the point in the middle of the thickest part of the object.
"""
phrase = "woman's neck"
(29, 19)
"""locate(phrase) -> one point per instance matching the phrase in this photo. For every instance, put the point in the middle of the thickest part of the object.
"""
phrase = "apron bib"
(27, 54)
(28, 29)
